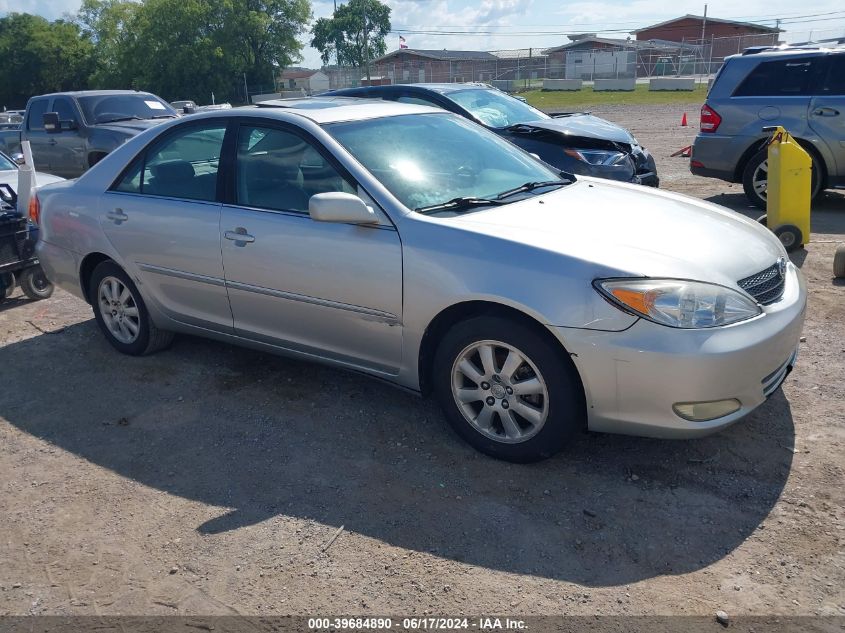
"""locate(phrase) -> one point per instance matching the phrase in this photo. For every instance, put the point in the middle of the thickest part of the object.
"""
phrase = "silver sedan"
(413, 245)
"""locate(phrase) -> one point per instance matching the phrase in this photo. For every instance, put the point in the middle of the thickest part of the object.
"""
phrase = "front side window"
(494, 108)
(782, 78)
(64, 109)
(280, 171)
(184, 165)
(429, 159)
(37, 110)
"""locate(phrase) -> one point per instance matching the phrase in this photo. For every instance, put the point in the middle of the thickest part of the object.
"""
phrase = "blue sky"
(554, 18)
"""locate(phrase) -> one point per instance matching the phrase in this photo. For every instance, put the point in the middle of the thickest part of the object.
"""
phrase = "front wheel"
(506, 390)
(35, 284)
(121, 313)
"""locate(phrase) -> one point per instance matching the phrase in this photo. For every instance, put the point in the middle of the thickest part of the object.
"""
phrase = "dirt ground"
(209, 480)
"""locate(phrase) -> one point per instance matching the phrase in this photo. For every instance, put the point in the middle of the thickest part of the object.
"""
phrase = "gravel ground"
(211, 480)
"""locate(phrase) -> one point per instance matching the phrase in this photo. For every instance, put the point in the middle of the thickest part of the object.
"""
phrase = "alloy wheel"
(500, 391)
(119, 310)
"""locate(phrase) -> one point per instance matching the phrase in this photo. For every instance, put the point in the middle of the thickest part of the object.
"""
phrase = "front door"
(163, 218)
(35, 133)
(324, 289)
(827, 114)
(65, 150)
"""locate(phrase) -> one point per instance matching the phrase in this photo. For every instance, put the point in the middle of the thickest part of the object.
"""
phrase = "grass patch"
(553, 100)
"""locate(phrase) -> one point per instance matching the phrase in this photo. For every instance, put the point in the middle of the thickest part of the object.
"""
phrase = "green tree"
(188, 49)
(107, 21)
(350, 38)
(41, 56)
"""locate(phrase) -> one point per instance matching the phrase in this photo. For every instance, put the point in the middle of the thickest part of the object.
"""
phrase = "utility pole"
(246, 91)
(704, 24)
(366, 45)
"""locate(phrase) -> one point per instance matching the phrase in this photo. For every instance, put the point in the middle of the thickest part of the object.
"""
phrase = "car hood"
(131, 127)
(621, 229)
(585, 126)
(10, 177)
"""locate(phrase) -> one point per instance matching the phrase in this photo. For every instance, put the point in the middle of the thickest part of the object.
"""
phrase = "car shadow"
(828, 214)
(266, 436)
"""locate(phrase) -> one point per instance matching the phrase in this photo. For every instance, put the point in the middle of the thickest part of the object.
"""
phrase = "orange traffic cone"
(684, 120)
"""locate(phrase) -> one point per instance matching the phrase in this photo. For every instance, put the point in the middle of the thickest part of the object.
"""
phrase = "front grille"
(766, 286)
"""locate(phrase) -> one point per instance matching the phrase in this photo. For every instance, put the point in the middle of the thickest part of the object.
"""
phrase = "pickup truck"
(71, 131)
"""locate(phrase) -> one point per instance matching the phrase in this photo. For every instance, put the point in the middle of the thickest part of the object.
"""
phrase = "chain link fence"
(521, 69)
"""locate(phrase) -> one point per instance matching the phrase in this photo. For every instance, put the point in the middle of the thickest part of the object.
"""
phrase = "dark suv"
(802, 89)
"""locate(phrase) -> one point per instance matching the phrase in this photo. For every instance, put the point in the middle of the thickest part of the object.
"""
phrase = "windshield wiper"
(530, 186)
(123, 118)
(164, 116)
(460, 204)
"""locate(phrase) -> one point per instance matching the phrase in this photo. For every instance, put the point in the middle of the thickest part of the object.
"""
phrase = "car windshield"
(125, 107)
(6, 163)
(427, 160)
(494, 108)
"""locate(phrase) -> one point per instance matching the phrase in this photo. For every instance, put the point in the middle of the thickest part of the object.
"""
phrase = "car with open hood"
(576, 142)
(411, 244)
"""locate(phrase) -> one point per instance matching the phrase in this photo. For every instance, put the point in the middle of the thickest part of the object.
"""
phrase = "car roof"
(334, 109)
(93, 93)
(753, 56)
(442, 88)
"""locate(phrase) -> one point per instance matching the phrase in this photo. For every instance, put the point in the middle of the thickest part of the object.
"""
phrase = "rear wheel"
(35, 284)
(755, 179)
(506, 390)
(121, 313)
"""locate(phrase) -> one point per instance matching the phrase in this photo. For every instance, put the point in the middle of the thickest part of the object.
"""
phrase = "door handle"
(52, 141)
(825, 112)
(239, 236)
(117, 216)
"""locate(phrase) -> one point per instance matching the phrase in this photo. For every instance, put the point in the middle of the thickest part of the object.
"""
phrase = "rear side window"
(37, 109)
(184, 165)
(782, 78)
(835, 84)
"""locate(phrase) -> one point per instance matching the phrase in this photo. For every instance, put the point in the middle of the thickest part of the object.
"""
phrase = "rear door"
(775, 92)
(827, 115)
(163, 218)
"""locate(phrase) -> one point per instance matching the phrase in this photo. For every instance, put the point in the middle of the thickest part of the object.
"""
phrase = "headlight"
(596, 156)
(679, 303)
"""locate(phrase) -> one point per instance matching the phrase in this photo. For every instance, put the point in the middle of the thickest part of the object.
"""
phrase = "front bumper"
(634, 377)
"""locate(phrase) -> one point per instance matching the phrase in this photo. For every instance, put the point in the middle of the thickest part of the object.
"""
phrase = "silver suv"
(802, 89)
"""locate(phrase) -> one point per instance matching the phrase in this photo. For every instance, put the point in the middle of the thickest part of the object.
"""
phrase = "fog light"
(704, 411)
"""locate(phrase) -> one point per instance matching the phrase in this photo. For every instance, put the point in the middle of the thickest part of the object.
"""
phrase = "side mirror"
(52, 125)
(188, 110)
(337, 206)
(19, 158)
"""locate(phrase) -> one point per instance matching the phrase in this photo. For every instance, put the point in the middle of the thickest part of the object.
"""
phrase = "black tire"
(35, 284)
(763, 219)
(748, 180)
(790, 236)
(149, 338)
(839, 261)
(7, 285)
(566, 413)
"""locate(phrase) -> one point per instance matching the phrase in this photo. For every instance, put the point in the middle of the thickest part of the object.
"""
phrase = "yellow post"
(788, 190)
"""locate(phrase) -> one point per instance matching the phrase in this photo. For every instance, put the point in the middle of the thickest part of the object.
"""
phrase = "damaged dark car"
(575, 142)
